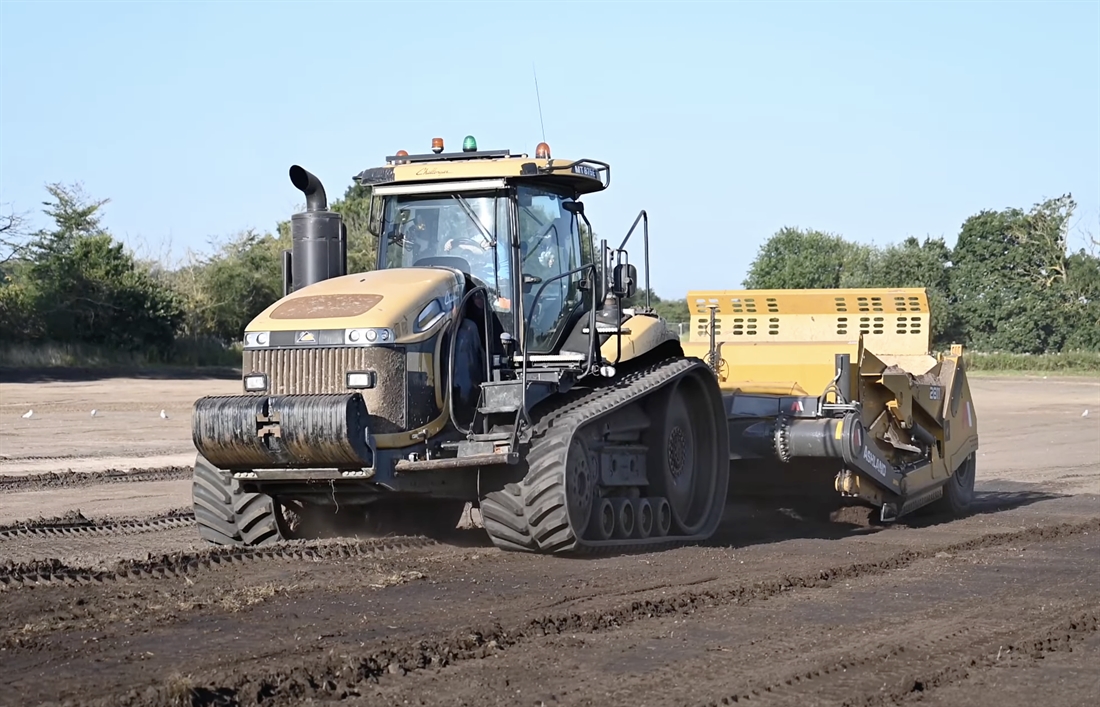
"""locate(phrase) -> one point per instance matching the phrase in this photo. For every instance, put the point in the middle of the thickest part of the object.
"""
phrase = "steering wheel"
(467, 243)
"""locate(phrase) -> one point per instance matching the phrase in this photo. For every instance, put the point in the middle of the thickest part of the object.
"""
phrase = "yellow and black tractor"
(493, 359)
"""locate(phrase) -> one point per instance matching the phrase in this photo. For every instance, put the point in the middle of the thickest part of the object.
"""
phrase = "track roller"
(602, 526)
(624, 517)
(662, 517)
(643, 517)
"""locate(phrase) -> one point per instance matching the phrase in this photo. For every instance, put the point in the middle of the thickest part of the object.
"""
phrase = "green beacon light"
(469, 144)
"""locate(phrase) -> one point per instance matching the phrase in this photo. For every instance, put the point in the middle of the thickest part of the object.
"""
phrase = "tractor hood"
(407, 301)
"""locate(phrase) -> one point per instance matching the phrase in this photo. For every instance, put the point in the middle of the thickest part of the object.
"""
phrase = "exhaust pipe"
(319, 236)
(308, 183)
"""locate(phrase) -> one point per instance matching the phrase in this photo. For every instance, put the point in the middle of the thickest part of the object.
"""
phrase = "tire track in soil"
(331, 677)
(1030, 646)
(893, 686)
(79, 479)
(75, 524)
(35, 573)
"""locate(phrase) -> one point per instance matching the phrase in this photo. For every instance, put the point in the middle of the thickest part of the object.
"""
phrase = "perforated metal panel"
(890, 320)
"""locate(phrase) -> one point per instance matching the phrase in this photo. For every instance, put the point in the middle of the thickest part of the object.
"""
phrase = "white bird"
(163, 415)
(28, 413)
(1085, 413)
(93, 413)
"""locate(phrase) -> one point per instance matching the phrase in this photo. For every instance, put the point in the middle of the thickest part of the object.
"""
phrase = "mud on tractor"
(498, 357)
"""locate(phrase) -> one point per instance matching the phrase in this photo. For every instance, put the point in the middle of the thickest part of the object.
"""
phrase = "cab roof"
(585, 176)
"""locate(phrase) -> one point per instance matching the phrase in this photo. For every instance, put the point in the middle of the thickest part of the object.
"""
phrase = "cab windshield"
(460, 230)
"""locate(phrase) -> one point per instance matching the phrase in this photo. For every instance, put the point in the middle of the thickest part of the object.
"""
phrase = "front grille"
(322, 370)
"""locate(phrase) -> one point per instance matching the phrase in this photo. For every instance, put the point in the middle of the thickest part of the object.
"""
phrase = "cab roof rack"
(451, 156)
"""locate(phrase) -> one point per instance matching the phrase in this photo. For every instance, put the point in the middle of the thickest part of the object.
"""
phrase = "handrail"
(601, 167)
(642, 216)
(452, 344)
(589, 360)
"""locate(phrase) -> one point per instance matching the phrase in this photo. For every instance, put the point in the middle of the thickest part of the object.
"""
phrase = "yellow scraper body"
(843, 381)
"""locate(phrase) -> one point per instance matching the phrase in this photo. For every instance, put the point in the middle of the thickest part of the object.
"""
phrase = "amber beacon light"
(542, 152)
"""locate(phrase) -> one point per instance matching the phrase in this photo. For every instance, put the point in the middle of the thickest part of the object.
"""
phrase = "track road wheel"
(228, 516)
(683, 462)
(958, 492)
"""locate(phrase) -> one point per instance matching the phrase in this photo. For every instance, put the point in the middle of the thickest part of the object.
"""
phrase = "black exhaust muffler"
(319, 237)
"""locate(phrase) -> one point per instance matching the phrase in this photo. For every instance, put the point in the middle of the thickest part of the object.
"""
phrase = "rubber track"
(550, 529)
(124, 527)
(78, 479)
(353, 673)
(53, 571)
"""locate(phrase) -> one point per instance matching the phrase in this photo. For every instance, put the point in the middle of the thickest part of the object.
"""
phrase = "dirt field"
(121, 603)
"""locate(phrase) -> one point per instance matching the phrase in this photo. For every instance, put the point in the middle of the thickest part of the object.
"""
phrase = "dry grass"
(396, 578)
(239, 599)
(180, 690)
(185, 352)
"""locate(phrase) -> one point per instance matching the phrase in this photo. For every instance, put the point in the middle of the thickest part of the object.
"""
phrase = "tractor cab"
(515, 227)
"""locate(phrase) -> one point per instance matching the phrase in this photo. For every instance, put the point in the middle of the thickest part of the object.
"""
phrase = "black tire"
(226, 515)
(958, 492)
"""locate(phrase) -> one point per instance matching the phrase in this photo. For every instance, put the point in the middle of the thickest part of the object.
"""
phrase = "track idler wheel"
(683, 456)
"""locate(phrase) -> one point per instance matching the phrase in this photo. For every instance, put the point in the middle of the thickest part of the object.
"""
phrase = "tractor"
(499, 360)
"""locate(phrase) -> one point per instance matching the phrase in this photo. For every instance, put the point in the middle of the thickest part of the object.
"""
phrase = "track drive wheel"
(958, 492)
(683, 464)
(226, 515)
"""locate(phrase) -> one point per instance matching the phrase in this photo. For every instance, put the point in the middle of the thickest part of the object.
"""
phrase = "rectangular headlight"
(360, 379)
(255, 382)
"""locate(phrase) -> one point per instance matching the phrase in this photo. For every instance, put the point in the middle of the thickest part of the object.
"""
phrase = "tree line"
(1010, 283)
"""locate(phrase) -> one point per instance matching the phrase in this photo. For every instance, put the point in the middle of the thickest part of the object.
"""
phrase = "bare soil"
(122, 604)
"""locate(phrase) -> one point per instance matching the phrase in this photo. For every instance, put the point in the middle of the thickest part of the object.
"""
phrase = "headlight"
(432, 313)
(253, 339)
(368, 337)
(360, 379)
(255, 382)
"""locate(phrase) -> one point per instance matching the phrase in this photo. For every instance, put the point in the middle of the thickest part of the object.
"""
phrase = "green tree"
(1083, 280)
(807, 259)
(1008, 279)
(354, 208)
(915, 264)
(87, 288)
(237, 283)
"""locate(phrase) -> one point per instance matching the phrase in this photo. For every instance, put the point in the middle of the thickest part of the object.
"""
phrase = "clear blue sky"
(726, 121)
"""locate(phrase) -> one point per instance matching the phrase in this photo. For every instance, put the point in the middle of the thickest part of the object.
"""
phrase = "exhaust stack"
(319, 237)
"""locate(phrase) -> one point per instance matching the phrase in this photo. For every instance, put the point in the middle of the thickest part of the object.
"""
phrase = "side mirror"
(624, 280)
